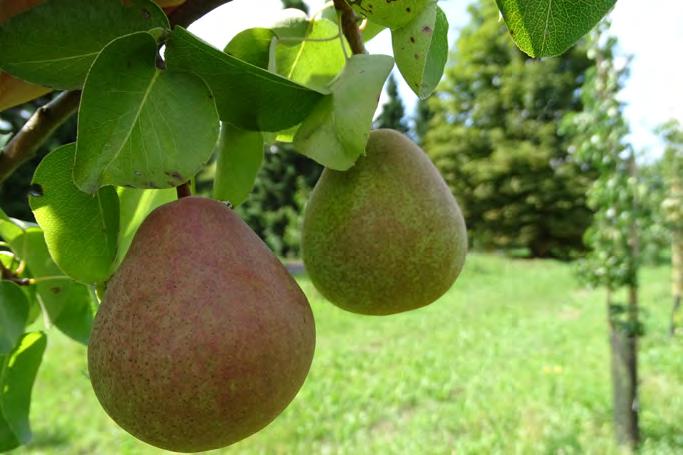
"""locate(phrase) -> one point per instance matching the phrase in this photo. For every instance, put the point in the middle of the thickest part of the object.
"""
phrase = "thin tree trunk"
(625, 385)
(676, 275)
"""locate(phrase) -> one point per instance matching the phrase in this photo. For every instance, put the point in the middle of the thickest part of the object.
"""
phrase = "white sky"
(651, 32)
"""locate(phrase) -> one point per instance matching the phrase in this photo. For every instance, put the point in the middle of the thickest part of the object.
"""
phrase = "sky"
(651, 33)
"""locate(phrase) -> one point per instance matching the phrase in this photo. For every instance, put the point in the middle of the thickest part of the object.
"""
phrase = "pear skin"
(387, 235)
(203, 337)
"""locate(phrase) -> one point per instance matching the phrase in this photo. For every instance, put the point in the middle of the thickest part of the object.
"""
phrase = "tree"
(146, 125)
(494, 137)
(423, 115)
(393, 112)
(672, 134)
(614, 237)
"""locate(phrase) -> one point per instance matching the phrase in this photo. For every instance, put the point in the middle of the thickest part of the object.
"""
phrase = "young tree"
(423, 115)
(672, 208)
(599, 141)
(494, 137)
(393, 112)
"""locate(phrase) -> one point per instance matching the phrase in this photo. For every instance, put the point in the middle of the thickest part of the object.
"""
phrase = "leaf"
(252, 46)
(66, 36)
(309, 62)
(336, 132)
(421, 50)
(13, 315)
(80, 230)
(150, 129)
(544, 28)
(247, 96)
(240, 154)
(19, 373)
(135, 206)
(69, 305)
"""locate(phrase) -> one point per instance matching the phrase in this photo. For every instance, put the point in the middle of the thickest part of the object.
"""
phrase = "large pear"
(387, 235)
(203, 338)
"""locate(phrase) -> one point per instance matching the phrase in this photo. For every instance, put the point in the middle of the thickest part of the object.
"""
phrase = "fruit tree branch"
(350, 26)
(36, 130)
(23, 146)
(192, 10)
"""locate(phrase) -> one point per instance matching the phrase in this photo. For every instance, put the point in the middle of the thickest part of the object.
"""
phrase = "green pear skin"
(387, 235)
(389, 13)
(203, 337)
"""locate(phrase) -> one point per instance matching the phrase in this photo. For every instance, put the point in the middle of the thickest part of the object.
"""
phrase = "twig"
(37, 129)
(183, 190)
(23, 146)
(350, 27)
(192, 10)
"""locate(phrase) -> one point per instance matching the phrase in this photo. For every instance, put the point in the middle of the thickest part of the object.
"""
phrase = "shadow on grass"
(48, 439)
(664, 434)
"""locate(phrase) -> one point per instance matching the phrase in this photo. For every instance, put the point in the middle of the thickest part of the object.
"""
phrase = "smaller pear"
(387, 235)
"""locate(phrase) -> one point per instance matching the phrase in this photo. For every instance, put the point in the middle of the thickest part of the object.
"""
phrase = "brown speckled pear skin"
(386, 236)
(203, 337)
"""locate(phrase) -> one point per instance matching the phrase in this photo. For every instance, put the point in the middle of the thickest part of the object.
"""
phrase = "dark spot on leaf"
(146, 14)
(427, 29)
(152, 185)
(35, 190)
(408, 10)
(412, 39)
(55, 289)
(175, 175)
(417, 56)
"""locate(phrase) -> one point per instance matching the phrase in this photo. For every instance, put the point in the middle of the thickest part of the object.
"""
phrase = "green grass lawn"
(514, 359)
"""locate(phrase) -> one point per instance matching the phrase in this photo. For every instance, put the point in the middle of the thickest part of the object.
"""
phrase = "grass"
(514, 359)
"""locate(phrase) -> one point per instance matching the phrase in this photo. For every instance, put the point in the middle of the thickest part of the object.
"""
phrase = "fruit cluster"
(203, 337)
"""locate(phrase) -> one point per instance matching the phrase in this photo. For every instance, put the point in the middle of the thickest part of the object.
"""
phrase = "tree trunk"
(624, 357)
(676, 275)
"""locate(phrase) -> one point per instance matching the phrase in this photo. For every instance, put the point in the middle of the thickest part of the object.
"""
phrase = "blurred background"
(562, 332)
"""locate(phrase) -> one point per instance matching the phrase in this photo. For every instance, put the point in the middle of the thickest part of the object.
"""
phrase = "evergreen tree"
(423, 115)
(495, 138)
(393, 112)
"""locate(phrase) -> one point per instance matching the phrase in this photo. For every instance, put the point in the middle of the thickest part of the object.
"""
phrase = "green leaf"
(240, 154)
(421, 50)
(19, 373)
(247, 96)
(544, 28)
(80, 229)
(336, 132)
(252, 46)
(150, 129)
(13, 315)
(55, 43)
(310, 62)
(69, 305)
(135, 206)
(10, 228)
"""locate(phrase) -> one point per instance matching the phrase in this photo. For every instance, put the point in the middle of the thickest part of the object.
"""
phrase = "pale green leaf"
(543, 28)
(80, 229)
(336, 132)
(246, 96)
(19, 373)
(150, 129)
(421, 50)
(240, 154)
(252, 46)
(55, 43)
(13, 315)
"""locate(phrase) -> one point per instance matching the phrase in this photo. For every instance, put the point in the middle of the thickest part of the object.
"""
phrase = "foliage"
(494, 137)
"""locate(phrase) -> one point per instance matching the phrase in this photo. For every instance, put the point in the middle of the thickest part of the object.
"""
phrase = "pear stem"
(184, 190)
(350, 28)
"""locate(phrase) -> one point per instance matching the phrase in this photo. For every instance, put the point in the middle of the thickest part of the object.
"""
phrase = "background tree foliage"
(393, 113)
(494, 137)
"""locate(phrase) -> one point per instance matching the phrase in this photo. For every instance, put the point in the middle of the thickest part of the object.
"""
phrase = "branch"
(192, 10)
(37, 129)
(46, 119)
(350, 26)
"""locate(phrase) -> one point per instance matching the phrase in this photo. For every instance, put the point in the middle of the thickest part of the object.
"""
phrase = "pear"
(387, 235)
(203, 337)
